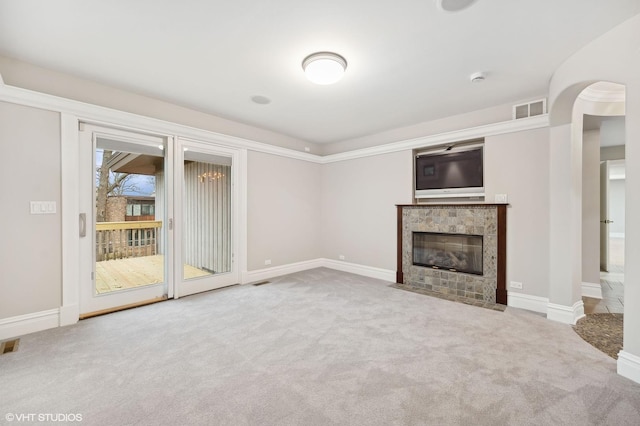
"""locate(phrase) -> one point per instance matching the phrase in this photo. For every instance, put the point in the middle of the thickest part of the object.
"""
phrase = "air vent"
(9, 346)
(530, 109)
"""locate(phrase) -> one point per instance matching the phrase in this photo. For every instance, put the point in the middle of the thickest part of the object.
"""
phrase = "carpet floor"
(319, 347)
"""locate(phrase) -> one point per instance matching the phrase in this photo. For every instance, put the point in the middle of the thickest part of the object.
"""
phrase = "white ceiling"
(408, 61)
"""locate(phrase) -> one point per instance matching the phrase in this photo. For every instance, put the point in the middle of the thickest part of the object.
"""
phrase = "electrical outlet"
(341, 257)
(267, 262)
(515, 284)
(501, 198)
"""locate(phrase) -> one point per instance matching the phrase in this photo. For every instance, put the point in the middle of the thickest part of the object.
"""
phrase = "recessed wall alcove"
(464, 235)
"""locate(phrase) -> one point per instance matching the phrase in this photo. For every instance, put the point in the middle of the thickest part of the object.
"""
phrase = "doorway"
(612, 222)
(603, 148)
(156, 218)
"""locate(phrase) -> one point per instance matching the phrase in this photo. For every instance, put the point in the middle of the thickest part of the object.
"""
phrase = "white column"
(565, 248)
(629, 357)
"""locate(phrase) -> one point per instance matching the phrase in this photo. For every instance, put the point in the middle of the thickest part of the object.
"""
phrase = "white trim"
(184, 287)
(30, 323)
(106, 116)
(502, 127)
(366, 271)
(240, 254)
(70, 210)
(592, 290)
(69, 314)
(616, 234)
(565, 314)
(99, 115)
(629, 366)
(276, 271)
(528, 302)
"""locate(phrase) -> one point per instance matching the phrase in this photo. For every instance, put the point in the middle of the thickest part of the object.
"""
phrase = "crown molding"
(493, 129)
(107, 116)
(95, 114)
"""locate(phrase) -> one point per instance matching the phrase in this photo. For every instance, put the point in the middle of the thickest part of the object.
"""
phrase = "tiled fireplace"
(454, 249)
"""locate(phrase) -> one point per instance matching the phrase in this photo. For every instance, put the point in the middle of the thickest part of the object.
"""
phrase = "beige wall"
(495, 114)
(27, 76)
(359, 218)
(30, 260)
(283, 210)
(612, 153)
(517, 164)
(591, 207)
(358, 208)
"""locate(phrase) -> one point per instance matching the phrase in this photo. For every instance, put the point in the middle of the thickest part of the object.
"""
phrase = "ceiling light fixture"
(324, 67)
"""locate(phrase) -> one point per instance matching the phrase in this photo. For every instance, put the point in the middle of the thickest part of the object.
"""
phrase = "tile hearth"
(485, 220)
(451, 297)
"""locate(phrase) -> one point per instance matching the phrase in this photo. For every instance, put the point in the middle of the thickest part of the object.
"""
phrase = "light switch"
(43, 207)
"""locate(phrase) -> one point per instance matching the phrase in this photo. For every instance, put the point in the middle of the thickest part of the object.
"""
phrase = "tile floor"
(612, 283)
(612, 295)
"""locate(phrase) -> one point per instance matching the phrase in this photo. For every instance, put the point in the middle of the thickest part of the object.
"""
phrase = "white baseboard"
(629, 366)
(592, 290)
(528, 302)
(276, 271)
(366, 271)
(69, 314)
(30, 323)
(565, 314)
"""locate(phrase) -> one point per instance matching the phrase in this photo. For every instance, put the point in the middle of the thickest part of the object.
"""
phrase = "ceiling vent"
(530, 109)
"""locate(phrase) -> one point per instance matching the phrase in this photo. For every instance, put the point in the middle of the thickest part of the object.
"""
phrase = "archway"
(612, 57)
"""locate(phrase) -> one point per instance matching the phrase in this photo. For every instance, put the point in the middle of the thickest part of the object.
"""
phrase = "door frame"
(604, 216)
(90, 303)
(70, 118)
(181, 286)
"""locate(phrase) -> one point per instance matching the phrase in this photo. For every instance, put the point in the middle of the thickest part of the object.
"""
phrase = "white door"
(125, 247)
(604, 216)
(206, 200)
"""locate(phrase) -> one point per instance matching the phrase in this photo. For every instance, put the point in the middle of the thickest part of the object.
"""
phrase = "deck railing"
(121, 240)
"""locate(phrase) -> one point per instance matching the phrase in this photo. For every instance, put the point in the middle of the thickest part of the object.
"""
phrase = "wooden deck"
(119, 274)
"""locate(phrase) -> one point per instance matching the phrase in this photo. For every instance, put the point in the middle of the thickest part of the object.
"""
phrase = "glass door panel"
(207, 218)
(129, 249)
(125, 208)
(206, 208)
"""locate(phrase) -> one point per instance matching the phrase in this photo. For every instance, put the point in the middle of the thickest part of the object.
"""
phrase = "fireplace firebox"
(450, 252)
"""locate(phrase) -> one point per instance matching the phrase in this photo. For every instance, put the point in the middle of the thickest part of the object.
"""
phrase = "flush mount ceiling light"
(324, 67)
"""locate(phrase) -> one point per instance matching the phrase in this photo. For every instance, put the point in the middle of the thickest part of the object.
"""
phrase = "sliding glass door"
(124, 240)
(157, 218)
(206, 199)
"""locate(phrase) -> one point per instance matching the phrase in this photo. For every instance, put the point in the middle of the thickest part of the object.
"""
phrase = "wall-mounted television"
(450, 172)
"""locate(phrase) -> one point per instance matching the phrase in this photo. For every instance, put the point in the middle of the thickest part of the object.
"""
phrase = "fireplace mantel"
(489, 220)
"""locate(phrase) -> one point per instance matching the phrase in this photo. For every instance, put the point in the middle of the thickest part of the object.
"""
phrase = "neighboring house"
(140, 207)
